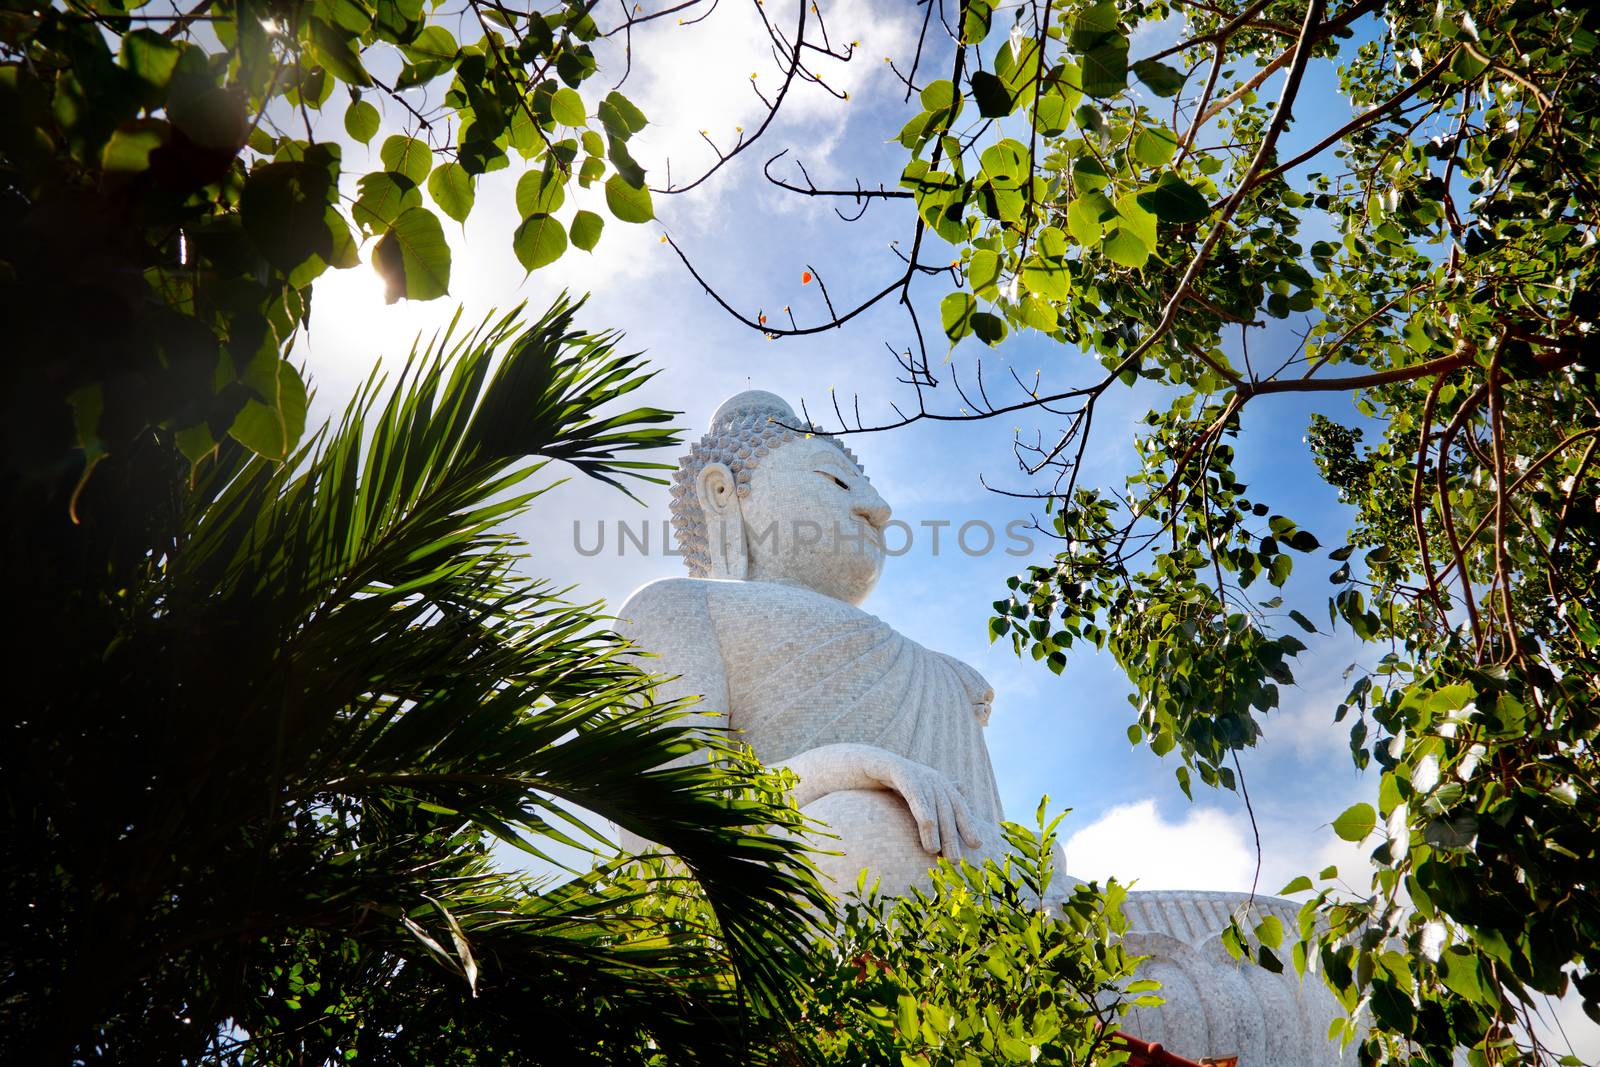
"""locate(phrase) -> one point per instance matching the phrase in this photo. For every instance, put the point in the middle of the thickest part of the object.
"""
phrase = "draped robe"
(805, 670)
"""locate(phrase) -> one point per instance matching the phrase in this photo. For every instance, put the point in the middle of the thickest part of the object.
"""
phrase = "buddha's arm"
(670, 623)
(942, 815)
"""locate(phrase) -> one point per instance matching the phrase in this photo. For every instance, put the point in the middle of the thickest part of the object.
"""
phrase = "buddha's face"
(811, 517)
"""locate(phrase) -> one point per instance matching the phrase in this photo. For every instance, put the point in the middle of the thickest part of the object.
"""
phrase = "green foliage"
(174, 181)
(973, 972)
(1438, 258)
(1458, 273)
(269, 718)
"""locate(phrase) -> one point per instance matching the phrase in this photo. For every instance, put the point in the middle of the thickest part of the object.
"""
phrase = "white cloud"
(1211, 848)
(1203, 850)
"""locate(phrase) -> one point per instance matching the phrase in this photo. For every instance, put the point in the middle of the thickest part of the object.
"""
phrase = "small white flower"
(1432, 941)
(1426, 776)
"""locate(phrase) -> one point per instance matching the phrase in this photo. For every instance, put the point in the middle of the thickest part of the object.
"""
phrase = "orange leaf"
(805, 277)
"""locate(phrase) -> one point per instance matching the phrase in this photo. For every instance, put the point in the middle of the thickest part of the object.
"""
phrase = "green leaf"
(127, 153)
(1092, 25)
(433, 45)
(408, 156)
(539, 240)
(988, 328)
(991, 95)
(567, 107)
(361, 120)
(633, 119)
(1136, 221)
(1269, 931)
(628, 203)
(1158, 77)
(1154, 146)
(270, 430)
(1356, 822)
(1083, 218)
(983, 270)
(1304, 623)
(1125, 247)
(413, 257)
(1174, 200)
(380, 198)
(1297, 885)
(335, 49)
(451, 188)
(284, 209)
(151, 58)
(540, 192)
(585, 229)
(975, 23)
(955, 314)
(1105, 69)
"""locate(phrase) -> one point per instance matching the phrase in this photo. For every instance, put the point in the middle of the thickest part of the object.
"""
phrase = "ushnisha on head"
(760, 499)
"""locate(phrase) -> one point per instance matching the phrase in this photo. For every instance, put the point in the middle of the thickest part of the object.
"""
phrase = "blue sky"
(1062, 736)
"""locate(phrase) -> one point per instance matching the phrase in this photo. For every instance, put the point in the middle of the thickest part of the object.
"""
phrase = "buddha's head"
(759, 500)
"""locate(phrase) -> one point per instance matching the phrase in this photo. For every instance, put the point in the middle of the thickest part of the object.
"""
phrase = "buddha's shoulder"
(686, 599)
(664, 600)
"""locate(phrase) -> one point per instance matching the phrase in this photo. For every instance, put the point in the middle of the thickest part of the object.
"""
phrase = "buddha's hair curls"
(744, 429)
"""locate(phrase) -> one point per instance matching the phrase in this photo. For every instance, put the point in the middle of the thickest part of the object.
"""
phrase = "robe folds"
(805, 670)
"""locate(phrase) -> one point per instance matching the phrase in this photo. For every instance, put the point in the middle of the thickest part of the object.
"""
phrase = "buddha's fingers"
(949, 835)
(967, 823)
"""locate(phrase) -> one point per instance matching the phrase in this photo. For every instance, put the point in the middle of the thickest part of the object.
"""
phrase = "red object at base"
(1148, 1054)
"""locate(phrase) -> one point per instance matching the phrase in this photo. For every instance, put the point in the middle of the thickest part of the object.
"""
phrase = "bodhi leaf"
(585, 229)
(413, 258)
(955, 314)
(628, 203)
(1154, 146)
(993, 99)
(361, 120)
(539, 240)
(567, 107)
(1105, 69)
(540, 192)
(983, 271)
(1174, 200)
(284, 208)
(407, 156)
(1356, 822)
(271, 430)
(1124, 247)
(335, 48)
(433, 45)
(451, 188)
(1160, 78)
(381, 197)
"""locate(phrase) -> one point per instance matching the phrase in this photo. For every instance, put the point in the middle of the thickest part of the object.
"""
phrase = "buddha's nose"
(873, 508)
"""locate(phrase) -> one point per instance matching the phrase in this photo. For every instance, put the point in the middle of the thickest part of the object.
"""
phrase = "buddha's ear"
(719, 503)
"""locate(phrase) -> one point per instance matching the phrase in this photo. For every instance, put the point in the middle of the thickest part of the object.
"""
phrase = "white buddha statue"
(783, 536)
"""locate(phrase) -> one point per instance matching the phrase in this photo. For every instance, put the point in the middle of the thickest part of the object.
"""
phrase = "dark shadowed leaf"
(413, 258)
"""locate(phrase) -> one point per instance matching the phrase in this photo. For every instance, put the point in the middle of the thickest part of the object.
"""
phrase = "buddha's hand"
(943, 817)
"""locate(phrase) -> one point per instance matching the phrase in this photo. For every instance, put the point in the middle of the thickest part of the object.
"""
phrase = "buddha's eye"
(836, 481)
